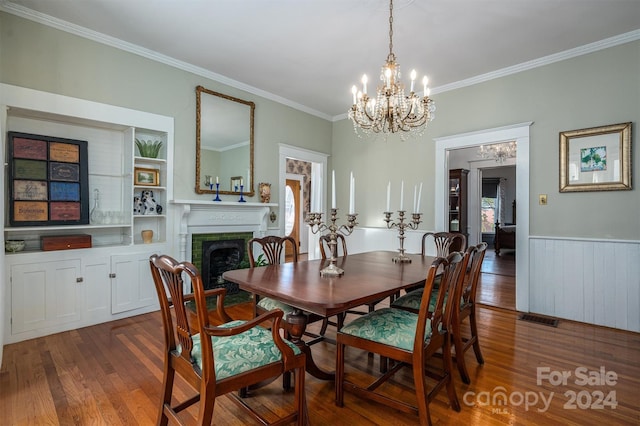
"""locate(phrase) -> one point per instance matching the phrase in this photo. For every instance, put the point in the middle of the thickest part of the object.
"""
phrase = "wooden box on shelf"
(65, 242)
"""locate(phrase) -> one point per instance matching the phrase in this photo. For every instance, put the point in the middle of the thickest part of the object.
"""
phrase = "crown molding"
(540, 62)
(50, 21)
(68, 27)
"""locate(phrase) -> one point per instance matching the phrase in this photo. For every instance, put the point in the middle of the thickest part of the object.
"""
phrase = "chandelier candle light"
(317, 225)
(400, 224)
(391, 111)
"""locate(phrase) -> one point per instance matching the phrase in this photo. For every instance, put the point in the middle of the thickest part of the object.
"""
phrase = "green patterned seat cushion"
(268, 304)
(243, 352)
(412, 300)
(393, 327)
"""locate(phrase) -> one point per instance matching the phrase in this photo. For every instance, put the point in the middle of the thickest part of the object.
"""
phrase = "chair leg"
(339, 378)
(341, 317)
(323, 328)
(301, 403)
(474, 336)
(422, 393)
(460, 362)
(207, 403)
(163, 420)
(384, 364)
(448, 369)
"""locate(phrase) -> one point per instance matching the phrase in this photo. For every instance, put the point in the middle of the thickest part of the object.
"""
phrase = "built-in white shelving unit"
(51, 291)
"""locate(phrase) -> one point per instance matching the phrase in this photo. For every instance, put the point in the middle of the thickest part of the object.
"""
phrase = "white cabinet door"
(97, 289)
(132, 286)
(45, 294)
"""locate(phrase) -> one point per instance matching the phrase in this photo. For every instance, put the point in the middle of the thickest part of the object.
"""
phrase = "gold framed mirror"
(224, 143)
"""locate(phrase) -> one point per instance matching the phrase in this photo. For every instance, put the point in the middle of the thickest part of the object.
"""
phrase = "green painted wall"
(42, 58)
(592, 90)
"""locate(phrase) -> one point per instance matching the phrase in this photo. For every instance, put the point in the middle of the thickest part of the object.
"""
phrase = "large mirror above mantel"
(224, 143)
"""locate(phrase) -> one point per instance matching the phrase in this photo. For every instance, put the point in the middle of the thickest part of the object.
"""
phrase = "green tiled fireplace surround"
(198, 239)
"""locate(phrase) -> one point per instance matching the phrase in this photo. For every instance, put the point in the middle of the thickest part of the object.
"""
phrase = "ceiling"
(309, 53)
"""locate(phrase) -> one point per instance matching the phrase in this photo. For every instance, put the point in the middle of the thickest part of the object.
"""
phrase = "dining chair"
(218, 360)
(273, 248)
(411, 340)
(325, 252)
(444, 243)
(465, 296)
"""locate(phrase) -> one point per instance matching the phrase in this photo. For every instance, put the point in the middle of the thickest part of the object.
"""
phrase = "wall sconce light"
(272, 216)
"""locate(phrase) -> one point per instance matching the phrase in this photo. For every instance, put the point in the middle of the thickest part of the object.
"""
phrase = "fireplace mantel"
(199, 216)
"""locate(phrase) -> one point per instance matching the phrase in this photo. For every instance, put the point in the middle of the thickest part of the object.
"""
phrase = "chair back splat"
(410, 339)
(325, 248)
(444, 242)
(272, 247)
(199, 352)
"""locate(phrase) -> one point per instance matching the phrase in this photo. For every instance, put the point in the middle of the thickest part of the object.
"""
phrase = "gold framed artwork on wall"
(596, 159)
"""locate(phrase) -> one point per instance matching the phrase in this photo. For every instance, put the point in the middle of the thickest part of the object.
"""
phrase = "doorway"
(317, 200)
(520, 134)
(292, 214)
(492, 187)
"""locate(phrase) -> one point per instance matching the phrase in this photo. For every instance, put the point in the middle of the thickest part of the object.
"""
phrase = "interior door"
(292, 213)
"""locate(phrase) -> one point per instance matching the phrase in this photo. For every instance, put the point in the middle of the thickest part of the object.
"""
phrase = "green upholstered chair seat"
(393, 327)
(413, 298)
(240, 353)
(268, 304)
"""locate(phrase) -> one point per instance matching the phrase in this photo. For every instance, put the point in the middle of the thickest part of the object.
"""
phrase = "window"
(489, 205)
(488, 214)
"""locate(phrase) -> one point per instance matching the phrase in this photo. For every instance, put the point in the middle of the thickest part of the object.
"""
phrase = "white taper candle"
(333, 189)
(352, 195)
(388, 196)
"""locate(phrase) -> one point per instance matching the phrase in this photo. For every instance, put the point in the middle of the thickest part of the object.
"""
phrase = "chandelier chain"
(391, 56)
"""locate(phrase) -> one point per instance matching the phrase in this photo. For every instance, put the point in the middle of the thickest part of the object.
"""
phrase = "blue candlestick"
(217, 191)
(241, 200)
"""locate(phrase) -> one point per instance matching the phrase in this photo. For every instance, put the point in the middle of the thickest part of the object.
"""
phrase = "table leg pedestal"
(296, 326)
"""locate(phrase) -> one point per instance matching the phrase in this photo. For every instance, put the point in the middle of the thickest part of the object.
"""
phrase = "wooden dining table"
(367, 277)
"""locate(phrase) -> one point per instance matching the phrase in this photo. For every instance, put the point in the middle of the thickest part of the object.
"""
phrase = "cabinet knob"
(79, 279)
(112, 275)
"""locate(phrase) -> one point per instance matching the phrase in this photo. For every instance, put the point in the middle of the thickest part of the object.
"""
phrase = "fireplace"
(221, 256)
(218, 223)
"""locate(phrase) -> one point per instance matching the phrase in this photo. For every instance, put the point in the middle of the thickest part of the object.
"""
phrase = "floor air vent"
(552, 322)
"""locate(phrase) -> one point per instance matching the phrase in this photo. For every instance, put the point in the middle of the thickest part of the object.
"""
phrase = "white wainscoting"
(591, 281)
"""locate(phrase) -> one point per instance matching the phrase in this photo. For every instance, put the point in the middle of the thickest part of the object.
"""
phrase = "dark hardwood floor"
(111, 374)
(497, 286)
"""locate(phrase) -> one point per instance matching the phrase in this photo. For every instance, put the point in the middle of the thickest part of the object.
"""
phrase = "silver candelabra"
(317, 225)
(402, 225)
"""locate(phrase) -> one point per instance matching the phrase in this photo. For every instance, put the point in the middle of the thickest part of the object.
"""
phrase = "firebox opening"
(219, 257)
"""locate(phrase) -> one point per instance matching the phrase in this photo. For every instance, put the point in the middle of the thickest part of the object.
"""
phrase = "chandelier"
(391, 111)
(499, 152)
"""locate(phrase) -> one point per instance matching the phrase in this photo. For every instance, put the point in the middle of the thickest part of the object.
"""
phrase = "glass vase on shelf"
(96, 216)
